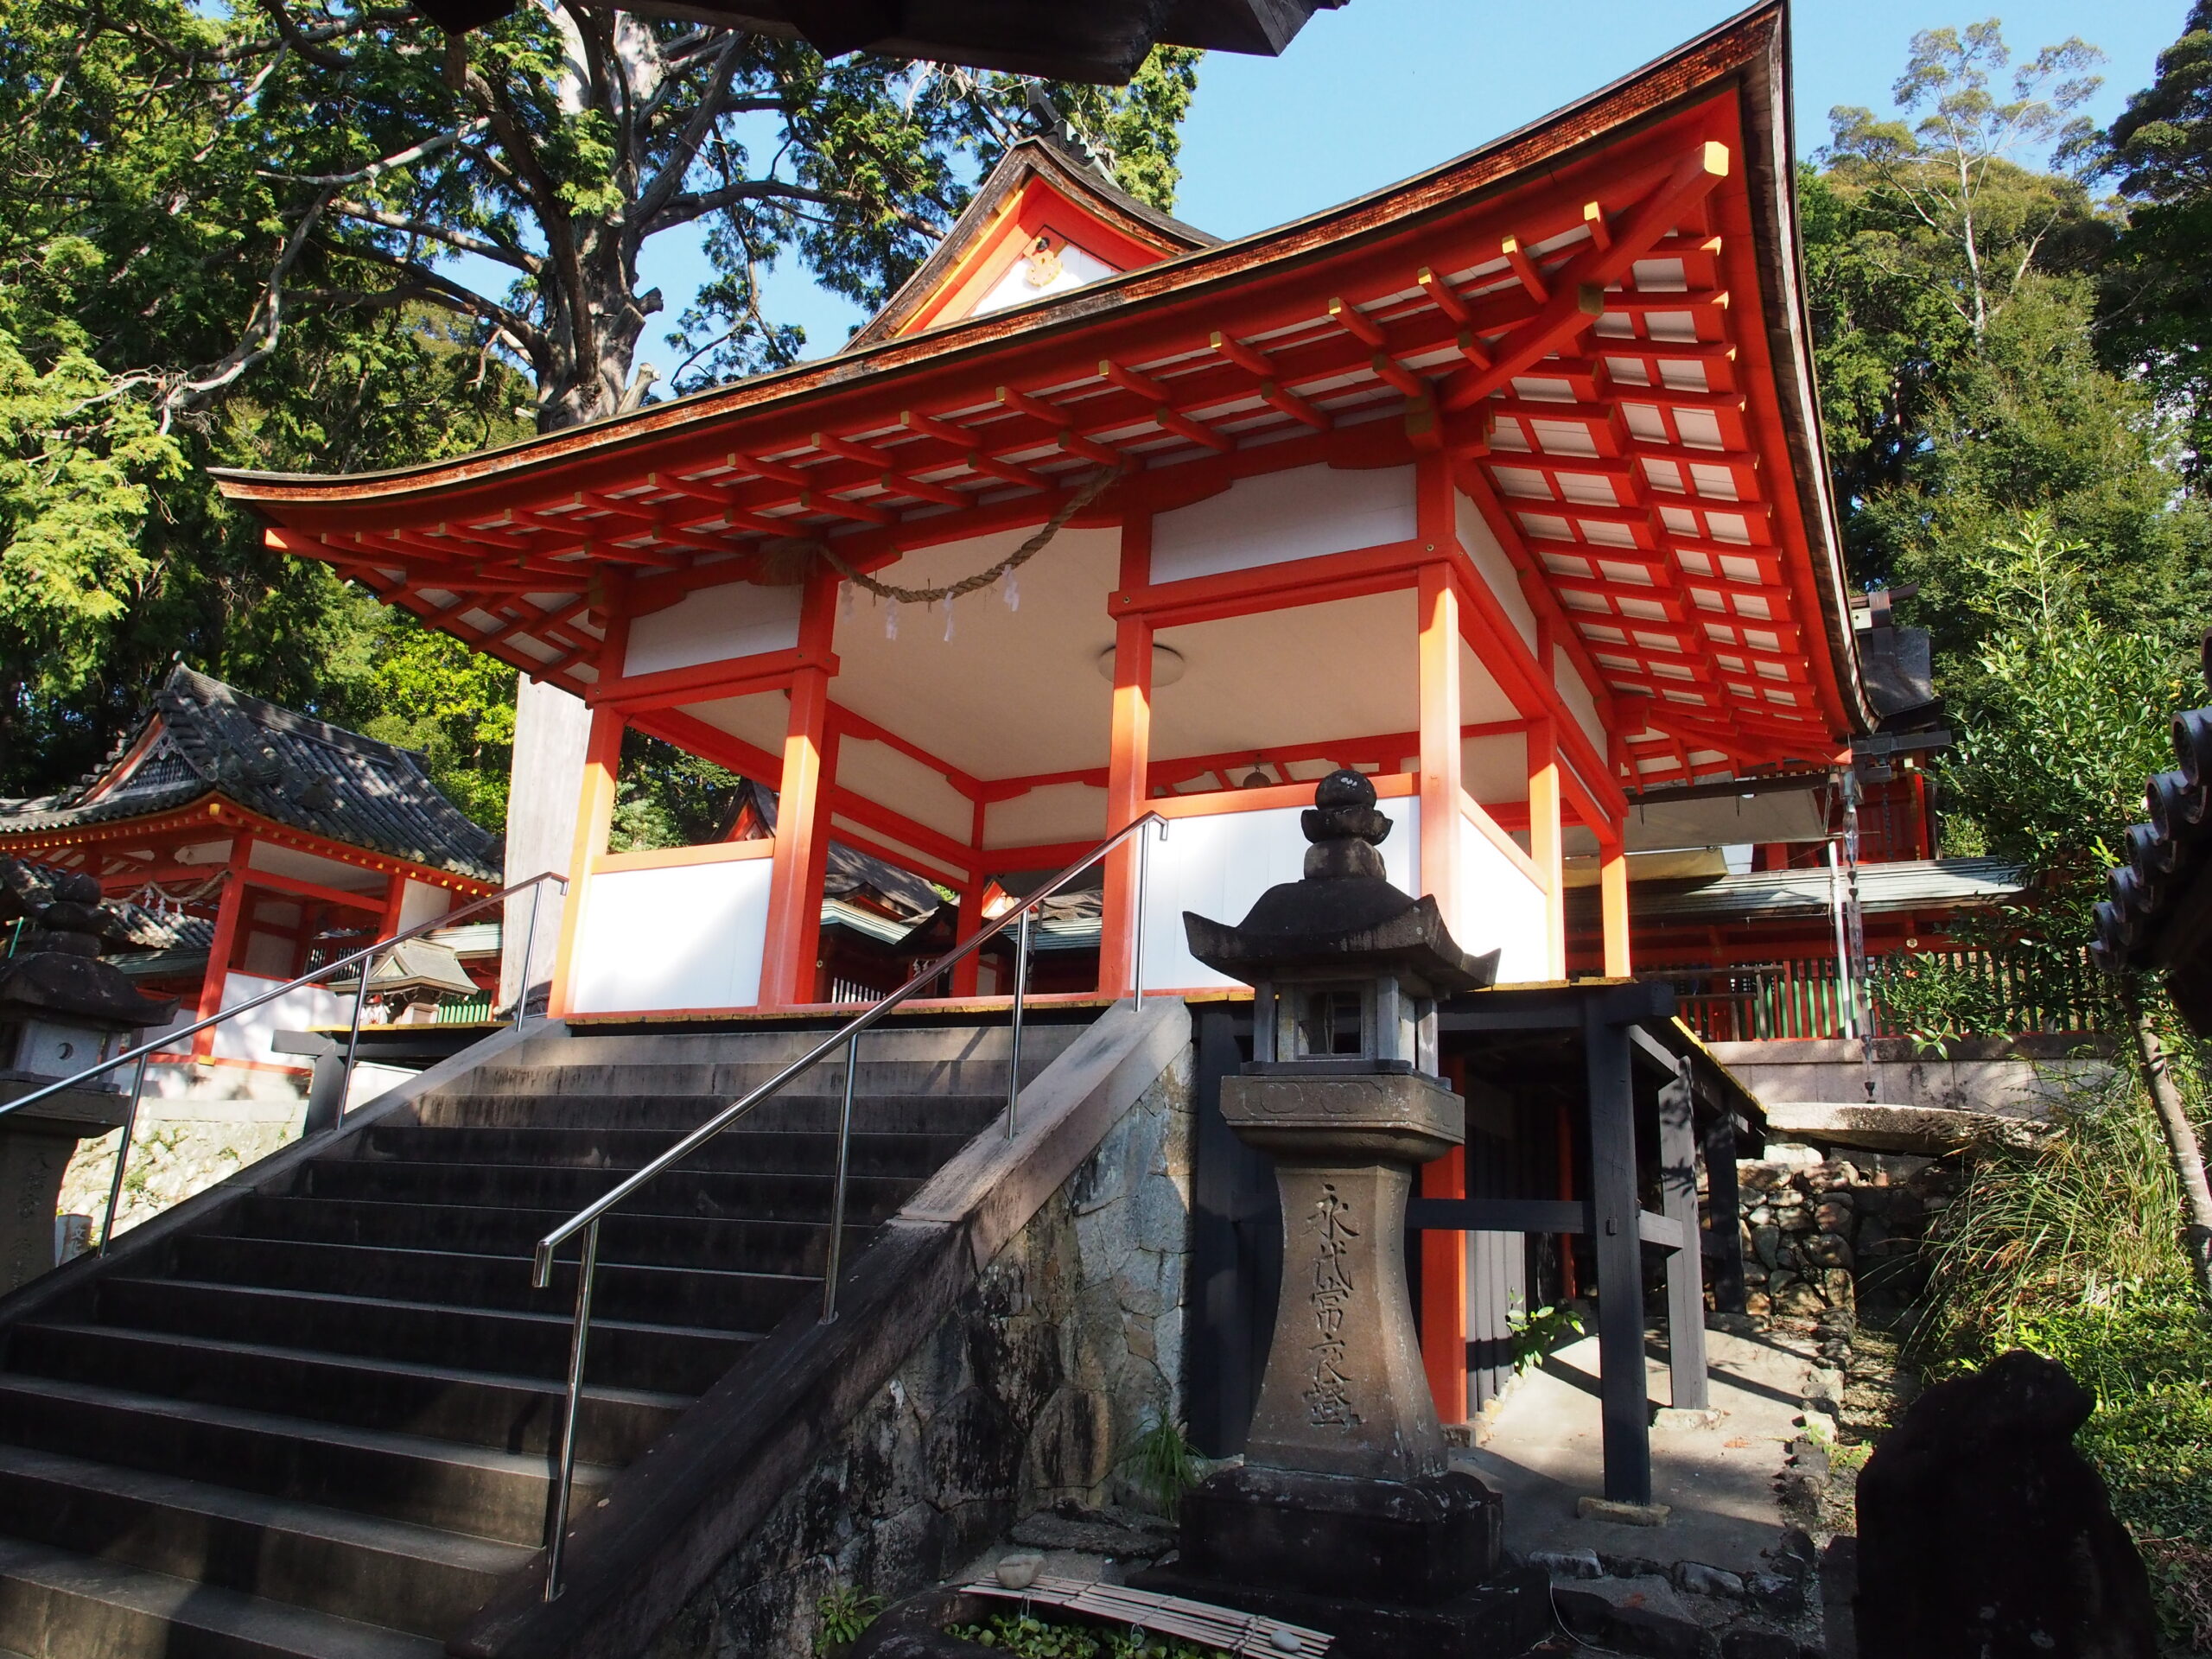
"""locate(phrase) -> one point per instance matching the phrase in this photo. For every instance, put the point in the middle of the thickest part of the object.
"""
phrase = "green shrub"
(843, 1615)
(1167, 1467)
(1028, 1635)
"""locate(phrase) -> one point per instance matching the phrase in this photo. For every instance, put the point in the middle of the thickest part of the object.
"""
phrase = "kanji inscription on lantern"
(1329, 1400)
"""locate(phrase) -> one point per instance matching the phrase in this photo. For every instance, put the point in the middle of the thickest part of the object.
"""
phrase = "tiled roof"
(1906, 884)
(204, 738)
(2160, 898)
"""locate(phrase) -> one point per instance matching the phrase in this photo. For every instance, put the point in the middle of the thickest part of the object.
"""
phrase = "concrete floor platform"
(1544, 1454)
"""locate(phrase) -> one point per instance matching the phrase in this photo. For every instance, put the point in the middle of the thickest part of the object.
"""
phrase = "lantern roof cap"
(1344, 914)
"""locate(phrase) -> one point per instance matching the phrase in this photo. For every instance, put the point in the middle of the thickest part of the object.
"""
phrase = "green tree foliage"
(321, 236)
(2158, 311)
(1955, 290)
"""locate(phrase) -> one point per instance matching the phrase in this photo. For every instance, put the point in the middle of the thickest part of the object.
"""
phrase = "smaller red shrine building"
(255, 842)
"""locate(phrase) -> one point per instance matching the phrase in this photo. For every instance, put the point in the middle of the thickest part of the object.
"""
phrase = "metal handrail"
(170, 1039)
(586, 1221)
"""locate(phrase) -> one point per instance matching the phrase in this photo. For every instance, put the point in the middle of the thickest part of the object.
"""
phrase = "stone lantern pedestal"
(1346, 1515)
(62, 1010)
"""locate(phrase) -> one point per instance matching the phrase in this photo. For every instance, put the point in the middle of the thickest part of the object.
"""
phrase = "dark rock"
(1776, 1594)
(1639, 1616)
(1412, 1541)
(1696, 1579)
(1758, 1641)
(1987, 1462)
(1567, 1563)
(81, 989)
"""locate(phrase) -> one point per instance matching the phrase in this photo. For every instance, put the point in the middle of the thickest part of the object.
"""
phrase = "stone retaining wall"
(1034, 1389)
(1823, 1234)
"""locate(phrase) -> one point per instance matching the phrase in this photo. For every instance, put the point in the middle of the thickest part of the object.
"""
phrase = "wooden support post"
(1444, 1255)
(1612, 894)
(1547, 841)
(1443, 1291)
(1127, 768)
(1723, 1208)
(967, 972)
(787, 964)
(1685, 1266)
(228, 908)
(1616, 1218)
(594, 814)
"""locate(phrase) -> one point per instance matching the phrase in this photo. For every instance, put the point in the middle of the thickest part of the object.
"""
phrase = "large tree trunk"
(2181, 1142)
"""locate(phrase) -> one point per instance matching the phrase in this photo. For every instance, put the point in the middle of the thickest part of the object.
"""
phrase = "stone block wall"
(1035, 1389)
(1831, 1234)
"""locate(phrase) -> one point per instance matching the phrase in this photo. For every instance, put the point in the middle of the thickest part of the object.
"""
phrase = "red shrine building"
(1503, 485)
(248, 843)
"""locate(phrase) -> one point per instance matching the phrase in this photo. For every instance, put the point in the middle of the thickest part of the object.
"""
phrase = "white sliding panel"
(689, 936)
(1218, 865)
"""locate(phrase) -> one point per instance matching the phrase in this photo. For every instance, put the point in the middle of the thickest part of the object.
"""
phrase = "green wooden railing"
(2001, 992)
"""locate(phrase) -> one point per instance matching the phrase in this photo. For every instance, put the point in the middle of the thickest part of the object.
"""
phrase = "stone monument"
(1345, 1514)
(61, 1009)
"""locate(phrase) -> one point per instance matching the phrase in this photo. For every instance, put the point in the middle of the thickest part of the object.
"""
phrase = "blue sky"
(1384, 88)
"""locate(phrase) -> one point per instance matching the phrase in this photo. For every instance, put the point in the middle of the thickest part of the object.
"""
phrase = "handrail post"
(353, 1035)
(565, 1470)
(529, 946)
(122, 1154)
(1021, 987)
(838, 1192)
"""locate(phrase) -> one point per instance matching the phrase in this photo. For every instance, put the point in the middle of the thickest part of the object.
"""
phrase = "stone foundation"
(1034, 1390)
(1826, 1235)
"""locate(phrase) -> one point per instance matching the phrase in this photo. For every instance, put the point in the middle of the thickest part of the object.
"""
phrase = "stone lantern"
(1345, 1514)
(61, 1010)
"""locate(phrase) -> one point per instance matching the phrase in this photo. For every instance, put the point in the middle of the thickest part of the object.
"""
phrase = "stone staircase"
(317, 1419)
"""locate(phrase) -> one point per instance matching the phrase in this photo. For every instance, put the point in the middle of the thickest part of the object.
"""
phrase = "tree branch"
(501, 252)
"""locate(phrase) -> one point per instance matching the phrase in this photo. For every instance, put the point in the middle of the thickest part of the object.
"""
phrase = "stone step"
(465, 1489)
(692, 1194)
(730, 1081)
(896, 1155)
(540, 1106)
(412, 1578)
(56, 1605)
(685, 1294)
(515, 1414)
(623, 1353)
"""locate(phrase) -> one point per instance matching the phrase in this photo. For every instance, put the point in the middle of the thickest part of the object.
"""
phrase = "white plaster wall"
(688, 937)
(1576, 694)
(1217, 866)
(1299, 513)
(1496, 569)
(739, 619)
(551, 730)
(1500, 909)
(421, 901)
(1046, 816)
(247, 1036)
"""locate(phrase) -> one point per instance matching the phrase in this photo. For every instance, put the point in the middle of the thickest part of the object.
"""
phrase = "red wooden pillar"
(1127, 768)
(967, 972)
(1443, 1255)
(787, 968)
(595, 815)
(228, 909)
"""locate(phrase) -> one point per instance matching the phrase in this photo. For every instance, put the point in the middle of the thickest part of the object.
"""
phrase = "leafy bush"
(1167, 1467)
(2079, 1217)
(1534, 1335)
(1026, 1635)
(843, 1615)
